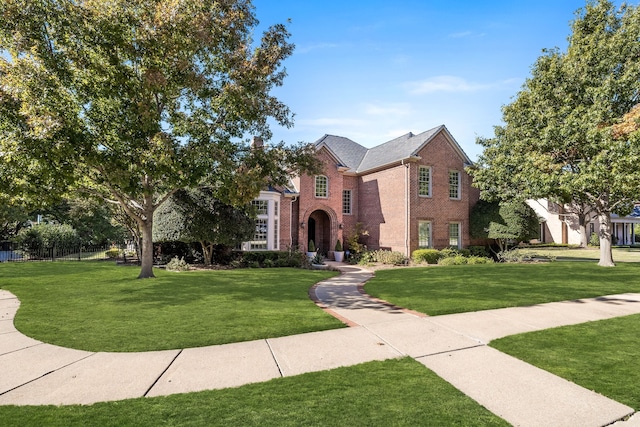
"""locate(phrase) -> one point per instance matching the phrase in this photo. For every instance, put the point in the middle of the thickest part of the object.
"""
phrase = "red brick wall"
(332, 205)
(379, 201)
(383, 208)
(441, 210)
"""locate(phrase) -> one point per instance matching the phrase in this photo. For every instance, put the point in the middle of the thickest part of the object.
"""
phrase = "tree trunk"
(582, 229)
(146, 270)
(207, 252)
(606, 256)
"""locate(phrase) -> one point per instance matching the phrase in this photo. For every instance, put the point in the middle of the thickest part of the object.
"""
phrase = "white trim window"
(424, 234)
(424, 181)
(454, 185)
(346, 202)
(267, 234)
(321, 187)
(454, 235)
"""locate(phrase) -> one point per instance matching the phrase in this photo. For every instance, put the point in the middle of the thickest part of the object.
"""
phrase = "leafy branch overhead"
(131, 100)
(571, 134)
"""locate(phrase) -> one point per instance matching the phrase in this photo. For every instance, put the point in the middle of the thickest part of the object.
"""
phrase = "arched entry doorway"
(320, 230)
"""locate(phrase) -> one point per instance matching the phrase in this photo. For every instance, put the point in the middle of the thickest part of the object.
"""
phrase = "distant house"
(411, 192)
(559, 225)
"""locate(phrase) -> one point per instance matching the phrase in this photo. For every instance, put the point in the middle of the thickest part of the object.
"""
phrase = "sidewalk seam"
(46, 373)
(275, 359)
(162, 373)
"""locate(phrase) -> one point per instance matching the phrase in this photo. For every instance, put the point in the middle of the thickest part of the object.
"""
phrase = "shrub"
(479, 260)
(594, 240)
(479, 251)
(312, 246)
(448, 252)
(48, 239)
(453, 260)
(338, 247)
(389, 257)
(177, 265)
(430, 256)
(112, 253)
(514, 255)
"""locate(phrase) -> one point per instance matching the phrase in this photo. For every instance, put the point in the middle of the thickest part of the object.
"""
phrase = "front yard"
(101, 307)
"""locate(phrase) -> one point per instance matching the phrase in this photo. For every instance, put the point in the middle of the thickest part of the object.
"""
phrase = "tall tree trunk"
(146, 227)
(582, 229)
(606, 256)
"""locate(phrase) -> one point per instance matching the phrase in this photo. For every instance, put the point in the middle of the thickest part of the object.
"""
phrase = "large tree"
(558, 139)
(197, 216)
(131, 100)
(503, 222)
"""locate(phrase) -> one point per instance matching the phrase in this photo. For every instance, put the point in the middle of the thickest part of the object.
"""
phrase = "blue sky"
(374, 70)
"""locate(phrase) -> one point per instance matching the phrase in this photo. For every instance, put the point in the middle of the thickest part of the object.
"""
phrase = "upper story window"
(346, 202)
(424, 181)
(261, 207)
(322, 186)
(454, 184)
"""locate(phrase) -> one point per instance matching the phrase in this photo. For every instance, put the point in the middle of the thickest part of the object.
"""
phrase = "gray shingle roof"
(346, 151)
(360, 159)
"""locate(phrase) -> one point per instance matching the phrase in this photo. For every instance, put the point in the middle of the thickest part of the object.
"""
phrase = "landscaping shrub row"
(450, 256)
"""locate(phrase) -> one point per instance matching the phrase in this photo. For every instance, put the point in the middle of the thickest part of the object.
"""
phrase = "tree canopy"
(559, 138)
(503, 222)
(197, 216)
(130, 100)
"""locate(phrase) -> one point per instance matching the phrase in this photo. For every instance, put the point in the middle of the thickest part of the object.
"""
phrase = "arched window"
(322, 186)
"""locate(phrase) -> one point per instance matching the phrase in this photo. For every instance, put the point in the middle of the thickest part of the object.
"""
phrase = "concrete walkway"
(454, 346)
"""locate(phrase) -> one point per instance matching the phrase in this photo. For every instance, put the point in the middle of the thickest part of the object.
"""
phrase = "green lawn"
(98, 306)
(455, 289)
(584, 254)
(399, 392)
(601, 356)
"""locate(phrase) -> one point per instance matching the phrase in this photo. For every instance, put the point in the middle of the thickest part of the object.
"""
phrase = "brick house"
(410, 192)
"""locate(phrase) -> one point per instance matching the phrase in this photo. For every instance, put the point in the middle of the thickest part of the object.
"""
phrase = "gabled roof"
(347, 152)
(360, 159)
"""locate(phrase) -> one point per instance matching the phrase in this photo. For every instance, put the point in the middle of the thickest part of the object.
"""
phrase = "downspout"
(293, 200)
(406, 198)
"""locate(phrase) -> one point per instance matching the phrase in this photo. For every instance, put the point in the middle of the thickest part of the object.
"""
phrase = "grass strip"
(398, 392)
(98, 306)
(462, 288)
(601, 356)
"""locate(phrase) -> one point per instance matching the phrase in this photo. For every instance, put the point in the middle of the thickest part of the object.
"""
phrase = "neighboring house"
(557, 225)
(411, 192)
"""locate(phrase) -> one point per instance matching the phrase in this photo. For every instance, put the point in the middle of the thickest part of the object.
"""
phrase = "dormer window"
(322, 186)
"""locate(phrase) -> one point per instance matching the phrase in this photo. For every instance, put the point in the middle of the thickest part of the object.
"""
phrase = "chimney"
(257, 143)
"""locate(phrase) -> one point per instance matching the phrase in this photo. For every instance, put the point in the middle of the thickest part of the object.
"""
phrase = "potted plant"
(338, 254)
(311, 249)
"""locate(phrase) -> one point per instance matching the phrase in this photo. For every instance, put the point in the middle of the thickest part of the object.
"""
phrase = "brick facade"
(384, 199)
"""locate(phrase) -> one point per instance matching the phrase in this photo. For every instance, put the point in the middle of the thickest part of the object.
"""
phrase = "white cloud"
(317, 46)
(453, 84)
(461, 34)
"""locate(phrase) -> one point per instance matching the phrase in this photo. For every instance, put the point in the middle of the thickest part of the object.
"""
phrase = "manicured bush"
(389, 257)
(177, 265)
(269, 259)
(112, 253)
(430, 256)
(453, 260)
(594, 240)
(479, 260)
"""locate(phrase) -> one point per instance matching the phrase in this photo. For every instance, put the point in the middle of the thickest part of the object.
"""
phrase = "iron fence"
(14, 252)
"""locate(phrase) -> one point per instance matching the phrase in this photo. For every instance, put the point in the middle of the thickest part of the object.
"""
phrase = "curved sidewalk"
(454, 346)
